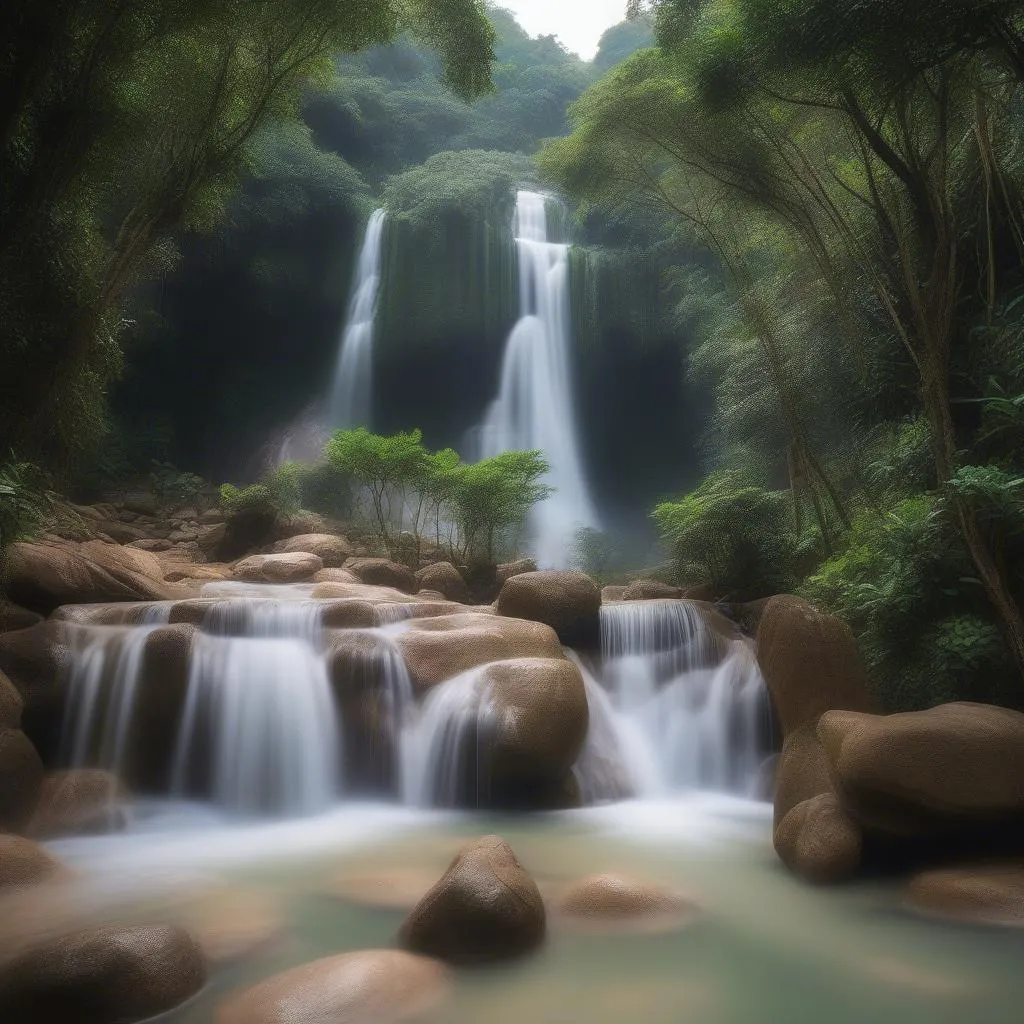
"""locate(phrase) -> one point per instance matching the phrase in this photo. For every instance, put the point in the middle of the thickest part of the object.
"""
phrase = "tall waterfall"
(534, 407)
(350, 403)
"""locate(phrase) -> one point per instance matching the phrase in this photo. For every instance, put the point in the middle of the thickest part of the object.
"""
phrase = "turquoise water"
(764, 947)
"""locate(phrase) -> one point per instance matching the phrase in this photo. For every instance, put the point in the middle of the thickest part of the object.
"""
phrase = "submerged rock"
(109, 975)
(567, 601)
(23, 862)
(484, 908)
(950, 769)
(818, 841)
(614, 902)
(382, 986)
(978, 894)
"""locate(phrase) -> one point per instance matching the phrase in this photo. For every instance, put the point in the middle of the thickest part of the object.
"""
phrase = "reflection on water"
(766, 949)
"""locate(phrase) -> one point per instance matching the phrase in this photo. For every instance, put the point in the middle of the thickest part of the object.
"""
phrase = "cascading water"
(350, 399)
(684, 707)
(534, 408)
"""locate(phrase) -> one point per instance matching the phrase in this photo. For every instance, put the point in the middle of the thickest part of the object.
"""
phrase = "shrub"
(23, 501)
(174, 486)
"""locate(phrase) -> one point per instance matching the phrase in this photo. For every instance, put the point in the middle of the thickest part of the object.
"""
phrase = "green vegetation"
(23, 503)
(849, 185)
(473, 510)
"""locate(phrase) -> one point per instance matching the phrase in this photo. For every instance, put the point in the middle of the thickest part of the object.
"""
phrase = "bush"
(731, 534)
(174, 486)
(23, 501)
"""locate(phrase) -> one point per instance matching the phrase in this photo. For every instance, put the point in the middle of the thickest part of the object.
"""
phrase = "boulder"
(43, 577)
(818, 841)
(540, 720)
(13, 616)
(34, 660)
(612, 595)
(232, 925)
(954, 768)
(244, 533)
(210, 538)
(121, 533)
(439, 648)
(298, 567)
(802, 771)
(651, 590)
(383, 573)
(81, 801)
(153, 544)
(10, 704)
(21, 775)
(510, 569)
(978, 894)
(616, 902)
(444, 578)
(810, 663)
(329, 548)
(23, 862)
(102, 976)
(567, 601)
(335, 576)
(484, 908)
(348, 613)
(382, 986)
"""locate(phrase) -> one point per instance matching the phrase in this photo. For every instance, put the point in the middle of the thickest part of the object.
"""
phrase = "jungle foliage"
(855, 174)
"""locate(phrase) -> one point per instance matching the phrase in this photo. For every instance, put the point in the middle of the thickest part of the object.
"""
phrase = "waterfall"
(681, 706)
(350, 399)
(534, 407)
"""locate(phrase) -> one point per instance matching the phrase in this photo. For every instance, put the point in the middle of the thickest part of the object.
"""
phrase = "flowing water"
(350, 403)
(534, 408)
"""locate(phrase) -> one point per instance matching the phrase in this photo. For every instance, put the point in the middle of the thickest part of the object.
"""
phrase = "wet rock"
(21, 775)
(612, 595)
(382, 986)
(976, 894)
(10, 704)
(335, 576)
(34, 659)
(81, 801)
(43, 577)
(951, 769)
(818, 841)
(650, 590)
(618, 903)
(444, 578)
(810, 663)
(23, 862)
(110, 975)
(440, 648)
(383, 573)
(233, 925)
(332, 550)
(294, 568)
(484, 908)
(389, 888)
(802, 772)
(568, 602)
(348, 613)
(13, 616)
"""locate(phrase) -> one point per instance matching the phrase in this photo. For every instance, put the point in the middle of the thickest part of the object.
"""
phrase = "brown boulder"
(484, 908)
(610, 901)
(120, 533)
(818, 841)
(444, 578)
(10, 704)
(21, 775)
(22, 862)
(612, 595)
(153, 544)
(440, 648)
(102, 976)
(567, 601)
(383, 573)
(82, 801)
(382, 986)
(13, 616)
(810, 663)
(43, 577)
(982, 893)
(952, 768)
(329, 548)
(335, 576)
(510, 569)
(294, 568)
(34, 660)
(802, 771)
(650, 590)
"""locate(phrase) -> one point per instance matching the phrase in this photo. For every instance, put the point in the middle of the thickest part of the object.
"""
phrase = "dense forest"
(796, 282)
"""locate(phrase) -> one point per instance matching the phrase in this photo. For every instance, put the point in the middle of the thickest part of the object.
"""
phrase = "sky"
(579, 24)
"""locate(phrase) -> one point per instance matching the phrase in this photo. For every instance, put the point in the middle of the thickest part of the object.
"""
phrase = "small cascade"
(534, 408)
(266, 618)
(439, 745)
(683, 707)
(350, 400)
